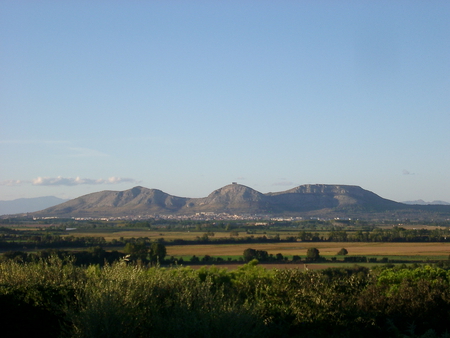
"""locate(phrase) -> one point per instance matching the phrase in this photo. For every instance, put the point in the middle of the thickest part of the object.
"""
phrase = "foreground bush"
(128, 301)
(121, 300)
(33, 296)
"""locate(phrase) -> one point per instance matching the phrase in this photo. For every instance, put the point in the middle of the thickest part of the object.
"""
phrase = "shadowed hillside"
(138, 200)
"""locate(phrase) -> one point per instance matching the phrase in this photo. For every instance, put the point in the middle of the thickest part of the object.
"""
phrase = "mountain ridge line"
(309, 200)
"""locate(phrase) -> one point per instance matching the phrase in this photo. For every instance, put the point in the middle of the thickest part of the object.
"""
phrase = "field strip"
(325, 248)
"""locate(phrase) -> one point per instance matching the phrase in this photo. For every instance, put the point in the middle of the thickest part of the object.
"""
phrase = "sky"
(189, 96)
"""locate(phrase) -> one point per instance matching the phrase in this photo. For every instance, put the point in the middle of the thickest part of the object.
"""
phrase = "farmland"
(209, 278)
(327, 249)
(222, 243)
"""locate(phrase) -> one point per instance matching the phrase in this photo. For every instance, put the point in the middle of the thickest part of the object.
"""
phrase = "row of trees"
(11, 239)
(141, 252)
(396, 234)
(312, 254)
(154, 254)
(21, 239)
(94, 255)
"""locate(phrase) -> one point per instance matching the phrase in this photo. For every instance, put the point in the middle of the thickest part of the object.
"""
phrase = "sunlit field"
(325, 248)
(433, 250)
(393, 250)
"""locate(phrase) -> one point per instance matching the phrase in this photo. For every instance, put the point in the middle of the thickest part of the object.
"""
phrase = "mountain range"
(422, 202)
(311, 200)
(22, 205)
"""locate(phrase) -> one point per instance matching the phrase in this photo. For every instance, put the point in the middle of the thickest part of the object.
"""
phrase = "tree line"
(396, 234)
(12, 239)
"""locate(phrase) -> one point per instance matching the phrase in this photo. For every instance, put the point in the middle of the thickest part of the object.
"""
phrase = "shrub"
(342, 252)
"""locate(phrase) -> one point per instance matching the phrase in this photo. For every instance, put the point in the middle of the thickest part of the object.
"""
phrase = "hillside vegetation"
(123, 300)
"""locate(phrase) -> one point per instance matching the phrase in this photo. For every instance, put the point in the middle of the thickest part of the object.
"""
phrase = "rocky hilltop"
(233, 198)
(305, 200)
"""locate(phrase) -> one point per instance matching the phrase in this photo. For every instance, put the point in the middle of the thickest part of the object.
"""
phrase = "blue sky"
(188, 96)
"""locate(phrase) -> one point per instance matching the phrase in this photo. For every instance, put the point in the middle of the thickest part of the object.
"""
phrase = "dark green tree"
(313, 254)
(304, 236)
(249, 254)
(157, 252)
(260, 255)
(194, 259)
(136, 250)
(342, 252)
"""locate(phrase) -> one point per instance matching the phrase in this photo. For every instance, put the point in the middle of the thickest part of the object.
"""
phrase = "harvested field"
(325, 248)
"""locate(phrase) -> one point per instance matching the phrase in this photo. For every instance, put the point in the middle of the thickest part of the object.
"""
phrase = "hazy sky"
(188, 96)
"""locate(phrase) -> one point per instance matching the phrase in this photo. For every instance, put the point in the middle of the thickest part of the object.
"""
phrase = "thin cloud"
(12, 183)
(70, 181)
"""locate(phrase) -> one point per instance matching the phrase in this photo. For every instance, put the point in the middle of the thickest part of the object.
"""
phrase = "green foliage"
(394, 278)
(260, 255)
(157, 252)
(342, 252)
(136, 250)
(400, 297)
(140, 251)
(313, 254)
(33, 294)
(128, 300)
